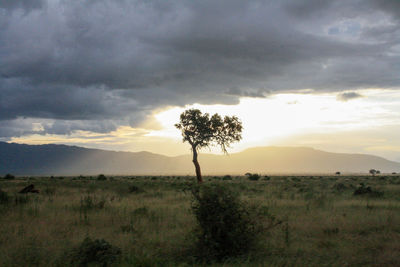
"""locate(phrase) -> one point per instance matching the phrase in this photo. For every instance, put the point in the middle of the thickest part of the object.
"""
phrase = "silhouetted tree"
(337, 173)
(372, 171)
(201, 130)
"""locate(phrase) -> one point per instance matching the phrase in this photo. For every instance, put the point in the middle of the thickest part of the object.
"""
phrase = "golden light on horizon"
(266, 120)
(282, 119)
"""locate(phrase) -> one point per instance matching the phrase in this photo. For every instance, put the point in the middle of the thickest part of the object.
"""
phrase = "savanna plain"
(157, 221)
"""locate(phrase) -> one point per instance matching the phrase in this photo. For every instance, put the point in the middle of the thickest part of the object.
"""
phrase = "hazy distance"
(67, 160)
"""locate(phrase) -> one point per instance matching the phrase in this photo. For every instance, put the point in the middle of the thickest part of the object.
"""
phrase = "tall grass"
(151, 222)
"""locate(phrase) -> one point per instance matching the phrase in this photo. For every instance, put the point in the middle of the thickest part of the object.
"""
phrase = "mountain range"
(22, 159)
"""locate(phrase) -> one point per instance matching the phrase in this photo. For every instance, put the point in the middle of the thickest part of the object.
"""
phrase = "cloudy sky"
(115, 74)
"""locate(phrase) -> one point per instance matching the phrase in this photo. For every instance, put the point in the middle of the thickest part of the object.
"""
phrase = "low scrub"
(4, 197)
(94, 253)
(226, 226)
(367, 191)
(135, 189)
(91, 202)
(227, 177)
(9, 176)
(339, 187)
(101, 177)
(253, 176)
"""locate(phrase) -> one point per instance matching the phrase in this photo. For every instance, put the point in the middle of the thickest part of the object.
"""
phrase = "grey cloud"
(257, 93)
(25, 126)
(348, 96)
(307, 8)
(119, 60)
(68, 127)
(25, 5)
(18, 127)
(390, 6)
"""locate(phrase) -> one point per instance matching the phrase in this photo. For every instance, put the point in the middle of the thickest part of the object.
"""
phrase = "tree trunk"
(197, 166)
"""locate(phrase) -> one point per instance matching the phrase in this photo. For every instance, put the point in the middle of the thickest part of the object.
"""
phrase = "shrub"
(21, 199)
(134, 189)
(267, 178)
(225, 225)
(89, 203)
(4, 197)
(128, 228)
(227, 177)
(340, 187)
(9, 176)
(367, 190)
(101, 177)
(50, 191)
(254, 177)
(97, 252)
(140, 211)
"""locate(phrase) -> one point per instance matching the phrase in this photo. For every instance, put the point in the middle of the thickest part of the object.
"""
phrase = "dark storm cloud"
(113, 62)
(389, 6)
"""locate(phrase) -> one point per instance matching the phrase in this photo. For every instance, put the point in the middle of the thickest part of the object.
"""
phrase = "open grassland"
(149, 219)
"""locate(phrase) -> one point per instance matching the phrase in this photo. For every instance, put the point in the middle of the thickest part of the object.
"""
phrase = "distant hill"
(20, 159)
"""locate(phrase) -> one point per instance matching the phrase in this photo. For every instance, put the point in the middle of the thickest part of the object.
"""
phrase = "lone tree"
(373, 172)
(201, 130)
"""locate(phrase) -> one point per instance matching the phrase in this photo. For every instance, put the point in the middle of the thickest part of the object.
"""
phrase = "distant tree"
(378, 172)
(101, 177)
(200, 130)
(254, 177)
(337, 173)
(372, 171)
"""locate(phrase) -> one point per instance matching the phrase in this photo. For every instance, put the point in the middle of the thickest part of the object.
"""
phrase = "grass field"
(149, 219)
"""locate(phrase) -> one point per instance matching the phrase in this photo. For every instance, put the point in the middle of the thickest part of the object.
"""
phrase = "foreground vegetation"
(154, 221)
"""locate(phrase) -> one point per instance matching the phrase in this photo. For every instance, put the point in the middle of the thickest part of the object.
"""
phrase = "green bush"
(91, 202)
(340, 187)
(140, 211)
(134, 189)
(254, 177)
(9, 176)
(367, 191)
(267, 178)
(225, 226)
(227, 177)
(101, 177)
(4, 197)
(21, 199)
(50, 191)
(94, 252)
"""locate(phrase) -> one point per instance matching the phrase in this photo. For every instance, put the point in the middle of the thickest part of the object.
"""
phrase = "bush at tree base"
(226, 226)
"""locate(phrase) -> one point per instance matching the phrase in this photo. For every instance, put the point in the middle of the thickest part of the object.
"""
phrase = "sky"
(116, 74)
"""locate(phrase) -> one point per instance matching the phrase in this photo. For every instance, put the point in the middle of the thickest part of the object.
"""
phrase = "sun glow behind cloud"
(315, 120)
(268, 120)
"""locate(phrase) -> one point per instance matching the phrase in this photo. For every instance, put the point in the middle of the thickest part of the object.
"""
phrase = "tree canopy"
(200, 130)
